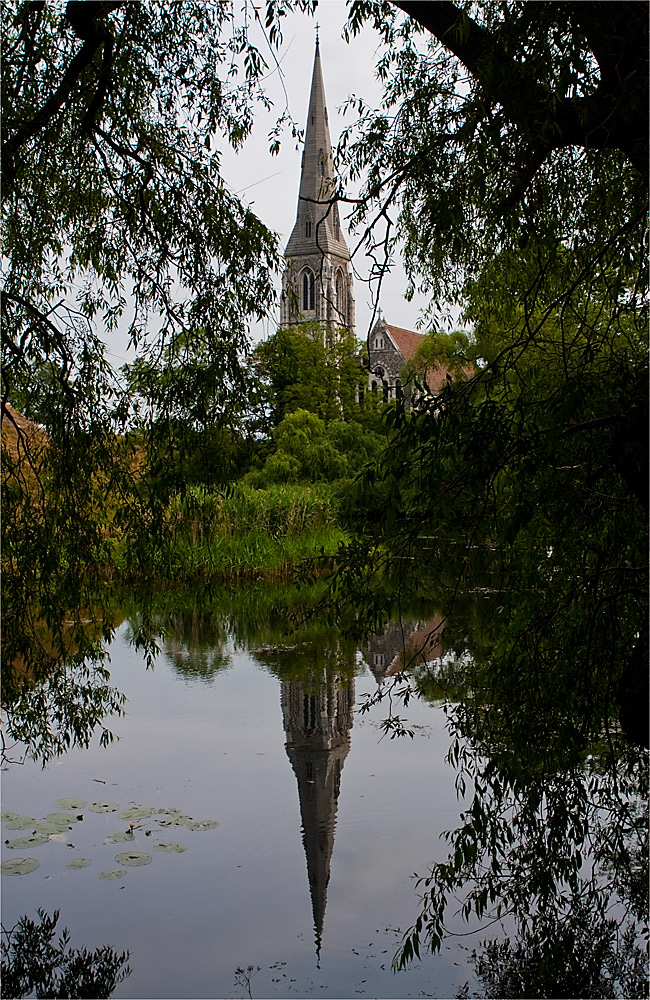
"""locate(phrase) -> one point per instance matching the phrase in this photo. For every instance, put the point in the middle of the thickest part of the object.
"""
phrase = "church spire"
(317, 284)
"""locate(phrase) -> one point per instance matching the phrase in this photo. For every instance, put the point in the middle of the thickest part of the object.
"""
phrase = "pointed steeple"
(317, 284)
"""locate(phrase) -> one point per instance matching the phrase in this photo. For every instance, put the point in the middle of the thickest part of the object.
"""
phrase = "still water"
(322, 821)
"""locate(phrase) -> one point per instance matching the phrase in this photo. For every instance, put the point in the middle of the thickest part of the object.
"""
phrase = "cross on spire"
(317, 27)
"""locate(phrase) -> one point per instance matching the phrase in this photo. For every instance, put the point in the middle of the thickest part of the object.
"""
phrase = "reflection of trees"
(34, 963)
(548, 850)
(194, 644)
(589, 957)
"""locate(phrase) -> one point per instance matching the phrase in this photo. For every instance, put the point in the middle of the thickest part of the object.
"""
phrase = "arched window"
(340, 292)
(307, 291)
(373, 387)
(308, 227)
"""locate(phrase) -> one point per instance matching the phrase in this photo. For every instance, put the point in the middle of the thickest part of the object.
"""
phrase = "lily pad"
(104, 807)
(70, 803)
(62, 820)
(21, 842)
(202, 824)
(20, 823)
(19, 866)
(178, 819)
(170, 848)
(79, 863)
(4, 816)
(120, 838)
(47, 828)
(137, 813)
(59, 838)
(112, 873)
(133, 858)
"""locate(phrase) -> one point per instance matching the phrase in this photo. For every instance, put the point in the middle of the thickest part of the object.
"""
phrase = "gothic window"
(309, 711)
(308, 227)
(374, 387)
(340, 294)
(307, 291)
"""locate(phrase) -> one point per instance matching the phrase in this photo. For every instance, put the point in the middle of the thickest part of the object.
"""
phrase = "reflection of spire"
(317, 728)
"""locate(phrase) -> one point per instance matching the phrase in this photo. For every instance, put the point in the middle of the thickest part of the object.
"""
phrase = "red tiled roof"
(407, 341)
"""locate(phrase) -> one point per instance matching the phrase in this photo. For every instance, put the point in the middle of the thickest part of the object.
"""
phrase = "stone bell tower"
(317, 283)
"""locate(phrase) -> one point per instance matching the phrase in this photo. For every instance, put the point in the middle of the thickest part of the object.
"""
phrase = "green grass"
(247, 534)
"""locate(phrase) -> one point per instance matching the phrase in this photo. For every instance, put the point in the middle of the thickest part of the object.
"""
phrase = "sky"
(270, 183)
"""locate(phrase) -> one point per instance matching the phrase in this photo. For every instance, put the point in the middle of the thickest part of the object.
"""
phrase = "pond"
(254, 830)
(322, 821)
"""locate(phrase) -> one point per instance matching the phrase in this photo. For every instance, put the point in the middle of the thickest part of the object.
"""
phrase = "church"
(317, 284)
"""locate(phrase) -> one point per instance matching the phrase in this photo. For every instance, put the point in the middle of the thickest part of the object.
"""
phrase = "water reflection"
(34, 962)
(317, 725)
(404, 644)
(195, 645)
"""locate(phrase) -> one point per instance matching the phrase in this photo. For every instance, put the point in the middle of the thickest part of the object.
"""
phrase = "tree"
(114, 212)
(304, 367)
(511, 153)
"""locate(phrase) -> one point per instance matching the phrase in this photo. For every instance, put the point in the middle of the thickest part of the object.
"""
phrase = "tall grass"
(245, 534)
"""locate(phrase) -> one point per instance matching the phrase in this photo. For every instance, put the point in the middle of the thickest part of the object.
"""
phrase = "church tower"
(317, 283)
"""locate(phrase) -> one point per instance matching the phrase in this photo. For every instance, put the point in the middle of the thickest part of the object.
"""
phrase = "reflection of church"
(317, 727)
(404, 645)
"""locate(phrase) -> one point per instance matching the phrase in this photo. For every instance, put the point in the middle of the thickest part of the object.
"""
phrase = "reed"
(246, 534)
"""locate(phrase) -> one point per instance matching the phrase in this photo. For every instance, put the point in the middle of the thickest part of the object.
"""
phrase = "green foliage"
(495, 132)
(241, 534)
(456, 352)
(33, 963)
(309, 450)
(115, 213)
(305, 367)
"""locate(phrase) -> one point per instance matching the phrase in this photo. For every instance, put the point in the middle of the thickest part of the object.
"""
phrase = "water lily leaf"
(8, 815)
(79, 863)
(202, 824)
(48, 828)
(175, 820)
(19, 866)
(104, 807)
(62, 820)
(122, 837)
(137, 813)
(133, 858)
(70, 803)
(21, 842)
(170, 848)
(60, 838)
(112, 873)
(20, 823)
